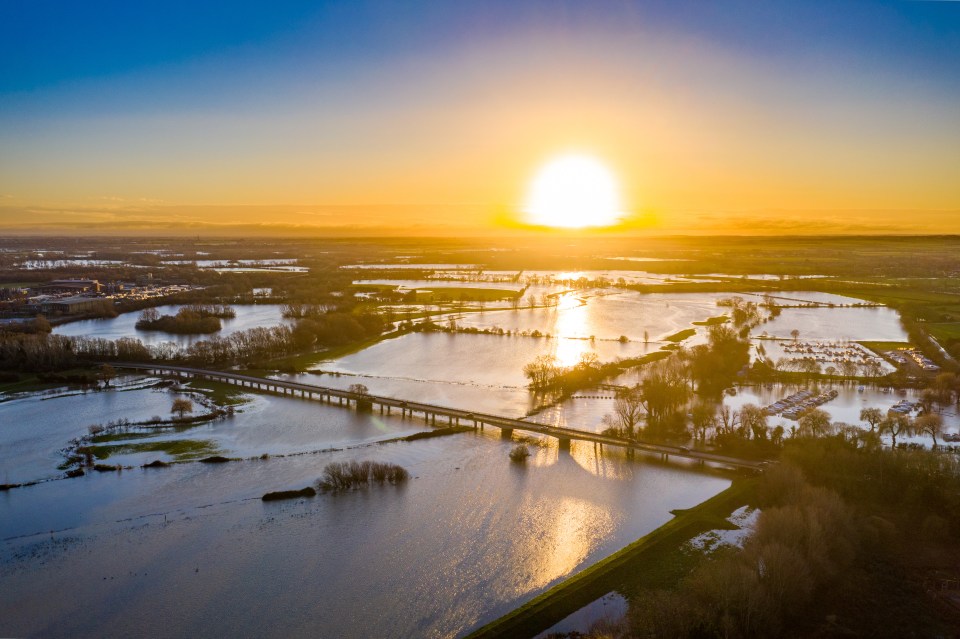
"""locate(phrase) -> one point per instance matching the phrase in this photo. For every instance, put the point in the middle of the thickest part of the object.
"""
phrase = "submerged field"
(148, 541)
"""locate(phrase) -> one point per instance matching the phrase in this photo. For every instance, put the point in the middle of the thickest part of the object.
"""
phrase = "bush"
(519, 453)
(340, 476)
(289, 494)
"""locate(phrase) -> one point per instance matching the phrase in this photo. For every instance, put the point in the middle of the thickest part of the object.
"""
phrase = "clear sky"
(434, 117)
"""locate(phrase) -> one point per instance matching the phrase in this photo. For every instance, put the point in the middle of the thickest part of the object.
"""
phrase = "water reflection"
(569, 529)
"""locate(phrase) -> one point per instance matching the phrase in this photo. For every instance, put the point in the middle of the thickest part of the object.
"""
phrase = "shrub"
(340, 476)
(519, 453)
(289, 494)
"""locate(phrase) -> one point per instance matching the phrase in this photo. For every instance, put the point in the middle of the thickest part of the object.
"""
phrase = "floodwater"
(192, 550)
(124, 325)
(35, 427)
(440, 284)
(844, 408)
(608, 315)
(875, 324)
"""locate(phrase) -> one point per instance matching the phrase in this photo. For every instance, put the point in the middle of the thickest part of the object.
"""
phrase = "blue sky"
(110, 99)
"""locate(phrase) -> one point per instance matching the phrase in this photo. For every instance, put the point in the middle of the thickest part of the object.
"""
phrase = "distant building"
(76, 305)
(70, 286)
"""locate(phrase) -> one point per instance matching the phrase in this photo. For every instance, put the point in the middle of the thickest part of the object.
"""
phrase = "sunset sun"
(573, 191)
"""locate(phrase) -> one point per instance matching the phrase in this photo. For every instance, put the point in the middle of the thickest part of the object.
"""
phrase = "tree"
(872, 416)
(181, 407)
(665, 390)
(795, 334)
(703, 416)
(944, 386)
(896, 424)
(815, 423)
(358, 389)
(541, 371)
(753, 422)
(930, 424)
(726, 419)
(41, 325)
(628, 410)
(107, 373)
(777, 435)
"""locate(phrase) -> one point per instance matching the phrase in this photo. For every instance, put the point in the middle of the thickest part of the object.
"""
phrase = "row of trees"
(662, 398)
(45, 352)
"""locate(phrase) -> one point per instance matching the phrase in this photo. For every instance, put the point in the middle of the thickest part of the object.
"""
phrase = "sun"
(573, 191)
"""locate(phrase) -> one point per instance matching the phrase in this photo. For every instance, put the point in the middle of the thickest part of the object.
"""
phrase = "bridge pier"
(506, 433)
(564, 443)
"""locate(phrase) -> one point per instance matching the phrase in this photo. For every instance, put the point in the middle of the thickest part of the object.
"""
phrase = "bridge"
(430, 412)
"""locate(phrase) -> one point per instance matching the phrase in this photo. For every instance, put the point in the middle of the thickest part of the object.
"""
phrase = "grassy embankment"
(656, 560)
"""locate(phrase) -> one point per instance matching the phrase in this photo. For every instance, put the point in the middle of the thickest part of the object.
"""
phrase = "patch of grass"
(713, 321)
(106, 438)
(222, 394)
(944, 331)
(880, 347)
(178, 449)
(681, 335)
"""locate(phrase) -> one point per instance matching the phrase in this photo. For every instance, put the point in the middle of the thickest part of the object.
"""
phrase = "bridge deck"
(498, 421)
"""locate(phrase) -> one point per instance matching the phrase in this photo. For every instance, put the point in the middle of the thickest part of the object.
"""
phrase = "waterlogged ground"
(845, 407)
(124, 325)
(191, 550)
(607, 315)
(34, 428)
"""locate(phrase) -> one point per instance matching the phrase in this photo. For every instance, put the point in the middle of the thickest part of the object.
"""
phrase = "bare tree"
(181, 407)
(628, 410)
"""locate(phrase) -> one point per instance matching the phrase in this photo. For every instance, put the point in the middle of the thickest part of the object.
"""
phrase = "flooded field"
(186, 537)
(487, 533)
(824, 323)
(124, 325)
(607, 315)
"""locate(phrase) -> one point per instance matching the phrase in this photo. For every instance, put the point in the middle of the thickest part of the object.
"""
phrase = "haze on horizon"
(434, 117)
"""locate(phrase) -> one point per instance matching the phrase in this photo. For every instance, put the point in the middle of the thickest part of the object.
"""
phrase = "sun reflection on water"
(569, 530)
